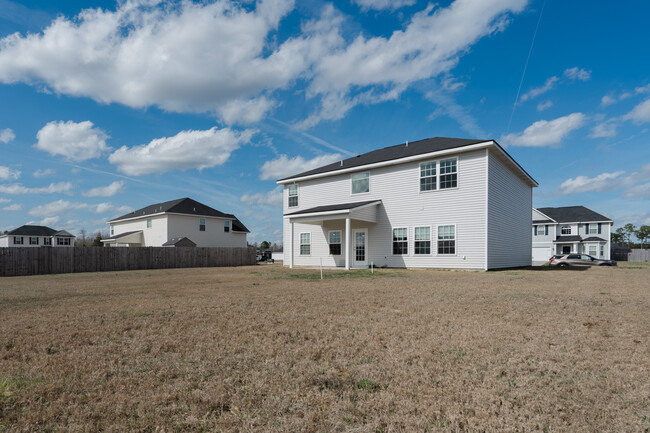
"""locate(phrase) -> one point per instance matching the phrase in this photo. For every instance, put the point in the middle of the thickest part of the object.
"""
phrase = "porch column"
(291, 244)
(347, 243)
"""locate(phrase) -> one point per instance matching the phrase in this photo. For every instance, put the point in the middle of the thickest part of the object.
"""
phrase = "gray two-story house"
(433, 203)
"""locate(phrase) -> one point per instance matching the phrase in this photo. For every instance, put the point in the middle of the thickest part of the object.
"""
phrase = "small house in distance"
(434, 203)
(570, 229)
(37, 236)
(181, 222)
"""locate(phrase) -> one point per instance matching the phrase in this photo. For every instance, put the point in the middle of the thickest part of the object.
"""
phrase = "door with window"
(359, 247)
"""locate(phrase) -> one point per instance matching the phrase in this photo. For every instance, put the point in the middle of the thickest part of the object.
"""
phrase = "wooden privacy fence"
(639, 255)
(53, 260)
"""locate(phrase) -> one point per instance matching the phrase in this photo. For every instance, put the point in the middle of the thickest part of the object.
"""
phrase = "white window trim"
(300, 244)
(455, 240)
(369, 184)
(408, 242)
(340, 232)
(149, 223)
(297, 195)
(430, 241)
(562, 230)
(595, 232)
(437, 161)
(205, 225)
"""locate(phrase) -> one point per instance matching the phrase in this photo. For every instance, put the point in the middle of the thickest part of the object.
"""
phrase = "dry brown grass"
(257, 349)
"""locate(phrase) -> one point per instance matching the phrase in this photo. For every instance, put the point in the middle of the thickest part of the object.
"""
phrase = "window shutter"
(546, 230)
(599, 227)
(586, 229)
(535, 230)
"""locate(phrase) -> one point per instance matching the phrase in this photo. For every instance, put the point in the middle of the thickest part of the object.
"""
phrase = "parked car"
(565, 260)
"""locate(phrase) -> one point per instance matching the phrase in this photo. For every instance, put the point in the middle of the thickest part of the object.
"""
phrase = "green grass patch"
(12, 385)
(368, 385)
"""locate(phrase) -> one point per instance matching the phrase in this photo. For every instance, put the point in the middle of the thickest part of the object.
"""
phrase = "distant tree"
(643, 233)
(97, 242)
(265, 245)
(81, 239)
(630, 229)
(617, 238)
(6, 231)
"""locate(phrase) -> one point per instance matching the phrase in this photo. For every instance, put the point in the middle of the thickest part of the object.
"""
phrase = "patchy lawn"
(267, 348)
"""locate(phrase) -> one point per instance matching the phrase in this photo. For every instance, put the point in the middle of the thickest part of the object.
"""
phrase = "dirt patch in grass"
(258, 349)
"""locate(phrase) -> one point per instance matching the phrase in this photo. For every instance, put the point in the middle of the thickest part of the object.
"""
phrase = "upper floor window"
(360, 182)
(400, 241)
(428, 179)
(541, 230)
(202, 224)
(423, 240)
(112, 230)
(439, 174)
(18, 240)
(593, 229)
(448, 173)
(446, 239)
(566, 230)
(148, 223)
(33, 241)
(293, 195)
(226, 226)
(335, 243)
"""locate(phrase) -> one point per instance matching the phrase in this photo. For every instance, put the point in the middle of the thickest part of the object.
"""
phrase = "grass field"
(266, 348)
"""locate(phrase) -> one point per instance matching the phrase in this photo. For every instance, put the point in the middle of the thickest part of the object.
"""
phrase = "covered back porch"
(333, 235)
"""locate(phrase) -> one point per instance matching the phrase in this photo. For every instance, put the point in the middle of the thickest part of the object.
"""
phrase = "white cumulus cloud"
(13, 207)
(284, 166)
(54, 208)
(75, 141)
(546, 132)
(605, 129)
(640, 113)
(7, 173)
(16, 188)
(6, 135)
(602, 182)
(106, 191)
(576, 73)
(186, 150)
(271, 198)
(384, 4)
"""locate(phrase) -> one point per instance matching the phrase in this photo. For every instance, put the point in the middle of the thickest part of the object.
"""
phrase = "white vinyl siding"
(402, 205)
(509, 216)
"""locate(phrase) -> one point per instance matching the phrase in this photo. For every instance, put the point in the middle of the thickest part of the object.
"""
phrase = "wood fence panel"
(52, 260)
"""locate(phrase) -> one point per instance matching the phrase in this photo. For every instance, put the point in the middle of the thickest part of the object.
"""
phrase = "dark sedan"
(564, 260)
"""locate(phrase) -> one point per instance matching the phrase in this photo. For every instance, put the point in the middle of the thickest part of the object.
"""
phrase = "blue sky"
(112, 106)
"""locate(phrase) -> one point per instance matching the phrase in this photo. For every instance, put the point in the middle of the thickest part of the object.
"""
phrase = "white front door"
(359, 248)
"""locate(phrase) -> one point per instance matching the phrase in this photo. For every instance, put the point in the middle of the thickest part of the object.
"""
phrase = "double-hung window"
(47, 241)
(448, 173)
(112, 230)
(18, 240)
(293, 195)
(33, 241)
(428, 179)
(423, 240)
(441, 174)
(201, 224)
(226, 226)
(305, 244)
(335, 243)
(566, 230)
(400, 241)
(148, 223)
(593, 250)
(360, 182)
(447, 240)
(593, 229)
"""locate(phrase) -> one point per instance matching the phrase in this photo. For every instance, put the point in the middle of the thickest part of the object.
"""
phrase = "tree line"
(623, 235)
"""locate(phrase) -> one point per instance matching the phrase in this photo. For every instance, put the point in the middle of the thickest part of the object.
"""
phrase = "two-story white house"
(570, 229)
(36, 236)
(434, 203)
(181, 222)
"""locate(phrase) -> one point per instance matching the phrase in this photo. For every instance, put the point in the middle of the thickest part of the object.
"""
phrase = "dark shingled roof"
(572, 214)
(393, 152)
(185, 206)
(573, 238)
(333, 207)
(593, 239)
(28, 230)
(179, 242)
(542, 221)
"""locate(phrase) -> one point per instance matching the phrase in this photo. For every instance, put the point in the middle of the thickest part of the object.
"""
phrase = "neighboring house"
(36, 236)
(434, 203)
(182, 222)
(571, 229)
